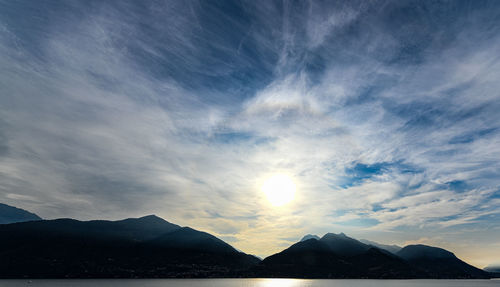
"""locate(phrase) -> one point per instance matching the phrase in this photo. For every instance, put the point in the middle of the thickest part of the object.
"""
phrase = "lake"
(247, 283)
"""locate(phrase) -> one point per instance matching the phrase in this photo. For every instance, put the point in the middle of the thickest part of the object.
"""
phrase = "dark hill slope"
(188, 238)
(318, 259)
(339, 256)
(493, 270)
(391, 248)
(140, 247)
(439, 263)
(344, 245)
(11, 214)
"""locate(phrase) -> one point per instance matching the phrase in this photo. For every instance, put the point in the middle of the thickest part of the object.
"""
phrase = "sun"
(279, 189)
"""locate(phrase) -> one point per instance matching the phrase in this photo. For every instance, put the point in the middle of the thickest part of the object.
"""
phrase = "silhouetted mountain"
(492, 268)
(391, 248)
(439, 263)
(420, 251)
(334, 256)
(340, 256)
(11, 214)
(135, 247)
(151, 247)
(343, 245)
(188, 238)
(310, 236)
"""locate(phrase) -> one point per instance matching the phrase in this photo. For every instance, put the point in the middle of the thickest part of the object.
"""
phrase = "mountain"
(137, 247)
(391, 248)
(334, 256)
(11, 214)
(439, 263)
(310, 236)
(340, 256)
(150, 247)
(343, 245)
(493, 268)
(186, 237)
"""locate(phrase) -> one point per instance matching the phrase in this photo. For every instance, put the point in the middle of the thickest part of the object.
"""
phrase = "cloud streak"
(185, 108)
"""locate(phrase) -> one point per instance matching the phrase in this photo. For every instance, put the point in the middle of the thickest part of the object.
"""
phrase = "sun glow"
(279, 189)
(278, 282)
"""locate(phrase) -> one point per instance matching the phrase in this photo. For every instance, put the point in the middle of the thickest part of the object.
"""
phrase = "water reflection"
(280, 283)
(247, 283)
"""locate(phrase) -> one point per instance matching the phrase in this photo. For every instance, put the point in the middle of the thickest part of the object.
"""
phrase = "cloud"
(384, 116)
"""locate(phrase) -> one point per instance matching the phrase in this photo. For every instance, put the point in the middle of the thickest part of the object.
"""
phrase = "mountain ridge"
(391, 248)
(12, 214)
(344, 245)
(151, 247)
(317, 259)
(310, 236)
(130, 248)
(439, 263)
(340, 256)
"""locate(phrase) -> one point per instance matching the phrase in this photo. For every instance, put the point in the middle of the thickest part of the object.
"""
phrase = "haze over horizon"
(383, 117)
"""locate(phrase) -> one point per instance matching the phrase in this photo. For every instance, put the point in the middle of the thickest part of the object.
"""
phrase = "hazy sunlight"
(279, 189)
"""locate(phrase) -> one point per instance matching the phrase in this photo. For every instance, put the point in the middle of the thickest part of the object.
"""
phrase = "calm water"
(249, 283)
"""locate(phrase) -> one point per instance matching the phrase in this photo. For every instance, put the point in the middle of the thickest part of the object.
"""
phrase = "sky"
(385, 114)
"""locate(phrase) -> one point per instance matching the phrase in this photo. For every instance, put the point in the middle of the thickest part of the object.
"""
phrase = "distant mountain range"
(11, 214)
(391, 248)
(493, 268)
(334, 256)
(339, 256)
(150, 247)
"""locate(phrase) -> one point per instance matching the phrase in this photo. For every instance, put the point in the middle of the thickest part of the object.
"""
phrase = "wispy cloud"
(184, 108)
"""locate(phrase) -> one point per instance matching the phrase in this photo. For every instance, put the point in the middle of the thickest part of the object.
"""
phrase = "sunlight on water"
(279, 283)
(247, 283)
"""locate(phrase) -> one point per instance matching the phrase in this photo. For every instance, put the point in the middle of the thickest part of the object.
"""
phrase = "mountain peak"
(343, 244)
(310, 236)
(151, 217)
(149, 222)
(423, 251)
(331, 235)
